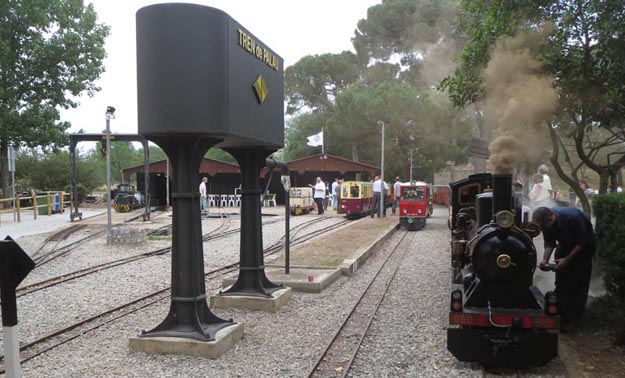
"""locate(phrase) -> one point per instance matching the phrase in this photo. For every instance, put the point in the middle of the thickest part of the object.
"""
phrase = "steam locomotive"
(497, 316)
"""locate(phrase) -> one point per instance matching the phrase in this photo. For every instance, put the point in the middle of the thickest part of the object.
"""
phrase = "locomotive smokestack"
(502, 192)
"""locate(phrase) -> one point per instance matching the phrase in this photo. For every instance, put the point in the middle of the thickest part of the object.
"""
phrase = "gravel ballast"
(407, 338)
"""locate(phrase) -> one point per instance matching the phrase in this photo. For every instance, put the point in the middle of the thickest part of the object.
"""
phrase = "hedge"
(610, 234)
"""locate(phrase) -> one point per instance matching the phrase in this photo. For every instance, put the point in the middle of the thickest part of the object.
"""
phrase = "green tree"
(299, 128)
(403, 48)
(418, 34)
(314, 81)
(41, 171)
(583, 52)
(413, 121)
(51, 51)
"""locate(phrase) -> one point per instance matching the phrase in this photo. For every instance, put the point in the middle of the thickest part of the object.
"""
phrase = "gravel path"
(407, 338)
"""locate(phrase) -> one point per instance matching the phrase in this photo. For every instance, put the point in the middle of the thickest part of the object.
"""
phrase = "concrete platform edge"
(349, 266)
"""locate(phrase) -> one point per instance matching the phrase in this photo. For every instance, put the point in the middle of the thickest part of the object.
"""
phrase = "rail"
(48, 201)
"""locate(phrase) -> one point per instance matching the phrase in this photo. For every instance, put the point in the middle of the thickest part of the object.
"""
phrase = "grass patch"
(158, 238)
(334, 261)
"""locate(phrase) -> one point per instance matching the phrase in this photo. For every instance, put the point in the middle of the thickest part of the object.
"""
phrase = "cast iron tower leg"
(189, 316)
(252, 279)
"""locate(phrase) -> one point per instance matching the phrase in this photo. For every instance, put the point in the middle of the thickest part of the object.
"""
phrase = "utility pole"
(381, 124)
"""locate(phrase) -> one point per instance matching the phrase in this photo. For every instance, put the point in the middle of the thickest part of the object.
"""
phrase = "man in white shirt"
(546, 184)
(319, 195)
(336, 187)
(378, 192)
(396, 193)
(203, 197)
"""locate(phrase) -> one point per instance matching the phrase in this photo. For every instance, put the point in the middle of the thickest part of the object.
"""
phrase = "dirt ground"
(590, 352)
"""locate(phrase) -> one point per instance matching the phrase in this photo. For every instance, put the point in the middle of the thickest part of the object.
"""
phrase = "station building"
(225, 178)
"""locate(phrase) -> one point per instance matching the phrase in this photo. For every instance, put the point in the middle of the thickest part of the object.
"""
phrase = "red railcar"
(414, 205)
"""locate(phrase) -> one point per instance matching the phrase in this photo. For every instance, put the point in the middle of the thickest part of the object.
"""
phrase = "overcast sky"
(292, 28)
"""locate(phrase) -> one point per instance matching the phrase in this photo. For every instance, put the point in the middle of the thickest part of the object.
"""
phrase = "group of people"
(379, 188)
(321, 190)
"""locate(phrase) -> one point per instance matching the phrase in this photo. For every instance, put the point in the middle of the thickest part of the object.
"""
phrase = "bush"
(610, 235)
(81, 189)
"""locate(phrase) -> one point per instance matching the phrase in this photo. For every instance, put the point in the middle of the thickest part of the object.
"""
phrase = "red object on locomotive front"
(414, 205)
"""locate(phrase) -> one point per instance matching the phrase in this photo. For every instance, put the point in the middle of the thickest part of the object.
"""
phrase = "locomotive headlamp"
(551, 298)
(551, 303)
(504, 219)
(456, 300)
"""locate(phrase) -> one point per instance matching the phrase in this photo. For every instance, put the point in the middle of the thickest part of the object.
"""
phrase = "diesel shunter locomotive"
(126, 198)
(497, 316)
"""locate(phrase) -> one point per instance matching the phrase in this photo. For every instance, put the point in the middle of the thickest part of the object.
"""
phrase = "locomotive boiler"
(497, 316)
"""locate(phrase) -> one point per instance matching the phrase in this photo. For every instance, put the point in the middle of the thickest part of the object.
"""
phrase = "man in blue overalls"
(569, 232)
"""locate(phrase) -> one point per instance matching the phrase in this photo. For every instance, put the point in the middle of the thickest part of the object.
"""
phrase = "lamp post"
(381, 124)
(110, 111)
(411, 137)
(410, 165)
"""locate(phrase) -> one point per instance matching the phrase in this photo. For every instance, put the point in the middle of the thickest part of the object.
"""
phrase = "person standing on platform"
(539, 193)
(569, 232)
(319, 195)
(546, 184)
(396, 193)
(336, 188)
(203, 197)
(379, 188)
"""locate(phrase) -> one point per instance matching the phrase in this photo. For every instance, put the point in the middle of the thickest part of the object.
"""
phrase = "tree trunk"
(613, 180)
(573, 182)
(604, 175)
(355, 156)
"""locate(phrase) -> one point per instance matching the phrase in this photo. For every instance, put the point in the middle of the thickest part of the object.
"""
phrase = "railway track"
(338, 356)
(221, 231)
(62, 336)
(42, 257)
